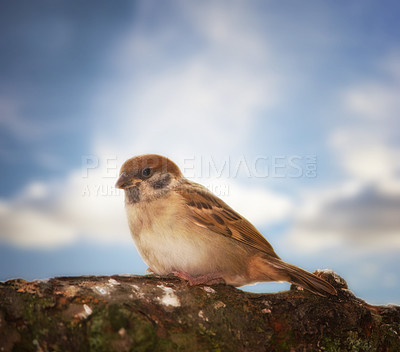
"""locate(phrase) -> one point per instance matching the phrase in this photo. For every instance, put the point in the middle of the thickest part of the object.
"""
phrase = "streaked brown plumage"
(182, 228)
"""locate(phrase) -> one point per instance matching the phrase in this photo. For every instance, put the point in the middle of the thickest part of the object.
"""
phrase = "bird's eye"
(146, 172)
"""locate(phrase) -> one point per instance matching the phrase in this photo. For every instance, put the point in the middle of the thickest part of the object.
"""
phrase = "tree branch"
(150, 313)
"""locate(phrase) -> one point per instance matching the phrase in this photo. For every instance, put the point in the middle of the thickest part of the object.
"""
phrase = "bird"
(181, 228)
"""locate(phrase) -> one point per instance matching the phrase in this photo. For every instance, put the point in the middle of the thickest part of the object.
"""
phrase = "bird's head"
(147, 177)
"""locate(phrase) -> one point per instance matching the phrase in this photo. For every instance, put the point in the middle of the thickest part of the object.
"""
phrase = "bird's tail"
(302, 277)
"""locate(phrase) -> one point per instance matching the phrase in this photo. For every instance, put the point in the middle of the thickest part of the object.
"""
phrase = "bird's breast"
(165, 239)
(169, 241)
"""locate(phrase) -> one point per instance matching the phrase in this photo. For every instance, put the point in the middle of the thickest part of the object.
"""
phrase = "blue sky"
(287, 110)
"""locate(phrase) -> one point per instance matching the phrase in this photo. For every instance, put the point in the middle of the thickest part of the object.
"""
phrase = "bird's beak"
(126, 181)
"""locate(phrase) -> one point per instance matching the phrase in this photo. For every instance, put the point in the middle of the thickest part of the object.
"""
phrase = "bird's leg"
(209, 279)
(149, 271)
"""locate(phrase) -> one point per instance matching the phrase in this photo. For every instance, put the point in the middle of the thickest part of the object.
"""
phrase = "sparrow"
(179, 227)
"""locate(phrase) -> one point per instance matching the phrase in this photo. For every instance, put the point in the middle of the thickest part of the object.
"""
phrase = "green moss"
(350, 342)
(37, 323)
(116, 327)
(331, 345)
(357, 344)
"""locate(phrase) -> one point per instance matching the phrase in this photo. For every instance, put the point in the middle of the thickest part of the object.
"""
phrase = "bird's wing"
(208, 211)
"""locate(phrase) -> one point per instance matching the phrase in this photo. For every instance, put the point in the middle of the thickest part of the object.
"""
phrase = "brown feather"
(207, 210)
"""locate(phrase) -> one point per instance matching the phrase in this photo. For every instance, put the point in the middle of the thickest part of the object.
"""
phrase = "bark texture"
(150, 313)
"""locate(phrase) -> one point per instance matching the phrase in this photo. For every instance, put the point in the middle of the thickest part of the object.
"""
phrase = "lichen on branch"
(150, 313)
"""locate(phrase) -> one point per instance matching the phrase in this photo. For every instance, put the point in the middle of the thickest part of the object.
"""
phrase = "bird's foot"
(149, 271)
(209, 279)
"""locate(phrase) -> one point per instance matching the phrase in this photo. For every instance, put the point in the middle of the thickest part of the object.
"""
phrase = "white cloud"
(360, 212)
(358, 217)
(56, 214)
(21, 126)
(60, 213)
(201, 102)
(366, 155)
(374, 101)
(206, 100)
(30, 228)
(197, 107)
(367, 149)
